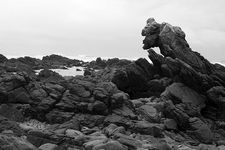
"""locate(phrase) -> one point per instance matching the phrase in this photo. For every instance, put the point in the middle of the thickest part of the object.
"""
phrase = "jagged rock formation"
(176, 103)
(171, 41)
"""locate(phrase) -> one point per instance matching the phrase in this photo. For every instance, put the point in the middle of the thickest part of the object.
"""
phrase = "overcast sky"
(106, 28)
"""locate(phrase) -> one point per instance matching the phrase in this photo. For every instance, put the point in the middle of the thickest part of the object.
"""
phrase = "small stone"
(73, 133)
(48, 146)
(170, 124)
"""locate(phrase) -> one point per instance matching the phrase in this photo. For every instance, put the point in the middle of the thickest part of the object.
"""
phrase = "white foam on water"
(73, 71)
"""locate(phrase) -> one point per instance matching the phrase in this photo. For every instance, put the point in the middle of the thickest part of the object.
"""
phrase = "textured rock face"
(178, 56)
(133, 79)
(3, 58)
(181, 64)
(171, 41)
(9, 142)
(182, 94)
(179, 102)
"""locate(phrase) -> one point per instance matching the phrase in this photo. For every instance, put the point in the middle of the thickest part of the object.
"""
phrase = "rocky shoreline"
(176, 103)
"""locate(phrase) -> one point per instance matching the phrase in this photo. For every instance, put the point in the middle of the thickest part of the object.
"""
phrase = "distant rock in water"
(56, 60)
(100, 63)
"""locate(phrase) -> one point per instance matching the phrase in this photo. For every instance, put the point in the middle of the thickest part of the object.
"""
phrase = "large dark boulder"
(133, 79)
(200, 130)
(11, 142)
(6, 124)
(179, 93)
(12, 87)
(49, 75)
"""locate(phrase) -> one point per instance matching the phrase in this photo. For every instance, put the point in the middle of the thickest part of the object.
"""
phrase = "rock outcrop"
(176, 103)
(3, 58)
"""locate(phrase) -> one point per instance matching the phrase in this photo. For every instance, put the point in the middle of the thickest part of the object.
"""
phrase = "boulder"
(113, 129)
(71, 124)
(48, 146)
(3, 58)
(38, 137)
(90, 144)
(19, 95)
(133, 78)
(179, 93)
(99, 108)
(149, 113)
(159, 85)
(73, 133)
(111, 145)
(177, 113)
(129, 141)
(6, 124)
(57, 116)
(11, 142)
(145, 127)
(117, 120)
(50, 76)
(200, 130)
(217, 95)
(11, 112)
(79, 90)
(118, 99)
(170, 124)
(125, 111)
(89, 120)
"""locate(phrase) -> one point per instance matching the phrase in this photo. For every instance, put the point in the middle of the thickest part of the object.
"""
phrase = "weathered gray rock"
(11, 112)
(171, 41)
(170, 124)
(200, 130)
(113, 129)
(145, 127)
(48, 146)
(149, 113)
(99, 107)
(179, 93)
(57, 116)
(11, 142)
(217, 94)
(125, 111)
(129, 141)
(111, 145)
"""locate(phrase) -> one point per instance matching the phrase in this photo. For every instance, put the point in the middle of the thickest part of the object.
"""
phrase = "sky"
(106, 28)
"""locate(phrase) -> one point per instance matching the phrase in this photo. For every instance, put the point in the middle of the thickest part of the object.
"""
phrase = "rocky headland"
(175, 103)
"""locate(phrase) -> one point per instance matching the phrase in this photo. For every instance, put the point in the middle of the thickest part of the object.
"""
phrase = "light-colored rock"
(221, 147)
(149, 113)
(89, 145)
(111, 145)
(48, 146)
(73, 133)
